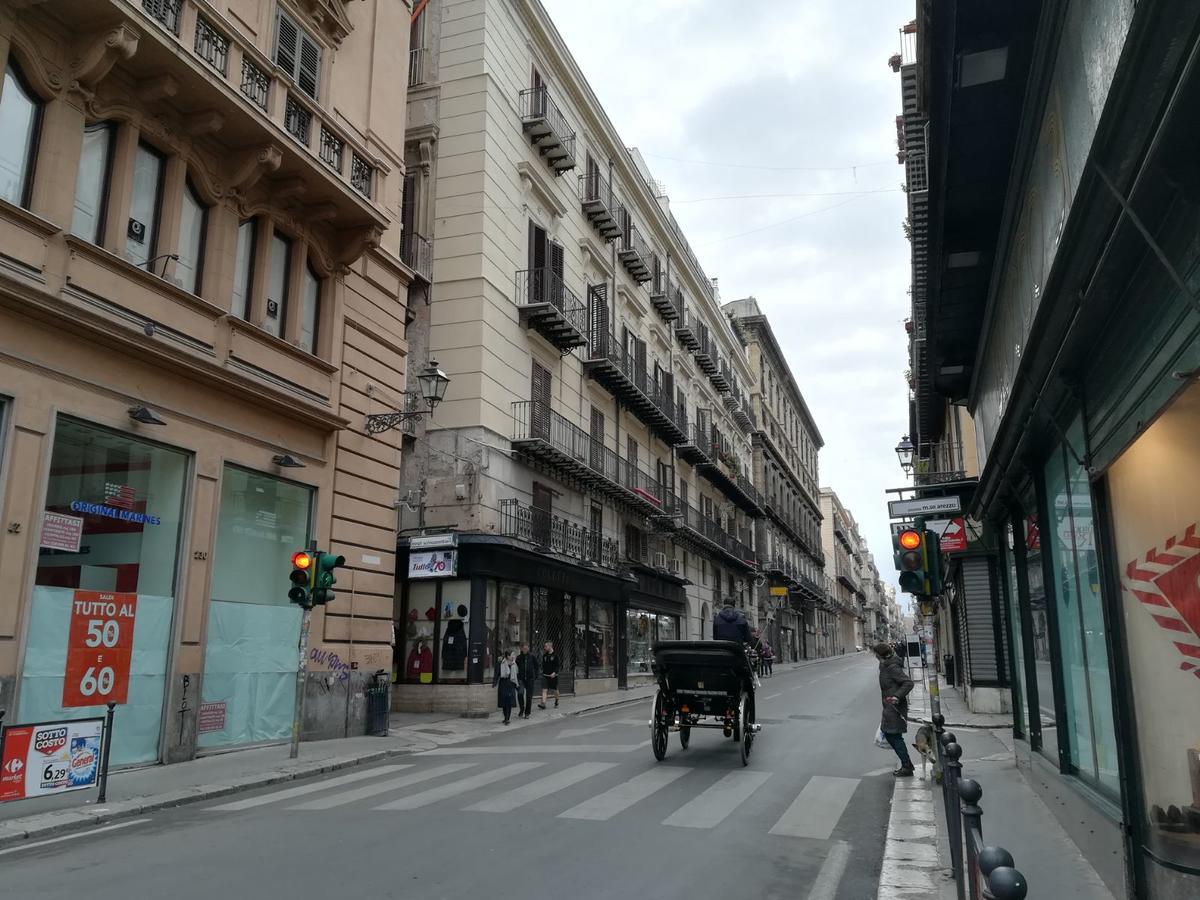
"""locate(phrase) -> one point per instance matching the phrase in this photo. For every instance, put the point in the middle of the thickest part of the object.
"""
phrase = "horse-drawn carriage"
(702, 684)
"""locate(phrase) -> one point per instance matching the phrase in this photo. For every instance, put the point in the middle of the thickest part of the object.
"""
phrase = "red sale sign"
(99, 648)
(954, 538)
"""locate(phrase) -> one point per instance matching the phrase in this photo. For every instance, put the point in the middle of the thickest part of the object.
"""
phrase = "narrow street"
(577, 807)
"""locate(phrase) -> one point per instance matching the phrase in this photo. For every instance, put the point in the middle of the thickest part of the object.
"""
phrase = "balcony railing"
(167, 13)
(256, 84)
(543, 529)
(211, 46)
(666, 297)
(635, 254)
(609, 364)
(548, 130)
(701, 531)
(417, 252)
(418, 59)
(551, 308)
(686, 328)
(543, 434)
(720, 376)
(297, 120)
(705, 350)
(600, 204)
(697, 450)
(938, 463)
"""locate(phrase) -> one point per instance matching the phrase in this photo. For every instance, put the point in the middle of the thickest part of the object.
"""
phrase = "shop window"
(513, 618)
(20, 117)
(141, 234)
(581, 637)
(91, 182)
(252, 629)
(1155, 498)
(1021, 695)
(243, 268)
(454, 626)
(193, 217)
(639, 629)
(601, 639)
(419, 632)
(1042, 649)
(310, 309)
(279, 265)
(112, 523)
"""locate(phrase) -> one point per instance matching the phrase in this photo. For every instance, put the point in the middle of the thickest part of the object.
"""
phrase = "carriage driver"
(730, 624)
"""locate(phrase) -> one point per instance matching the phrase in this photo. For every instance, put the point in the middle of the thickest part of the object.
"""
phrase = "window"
(142, 231)
(20, 112)
(243, 269)
(297, 54)
(192, 218)
(278, 265)
(310, 310)
(91, 182)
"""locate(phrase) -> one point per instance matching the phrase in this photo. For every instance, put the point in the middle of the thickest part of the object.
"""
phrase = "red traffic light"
(909, 540)
(302, 559)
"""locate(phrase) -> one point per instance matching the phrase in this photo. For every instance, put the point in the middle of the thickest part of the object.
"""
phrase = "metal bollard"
(939, 723)
(1006, 883)
(970, 792)
(106, 751)
(954, 822)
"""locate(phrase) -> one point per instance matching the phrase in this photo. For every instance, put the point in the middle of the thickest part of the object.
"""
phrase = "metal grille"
(297, 120)
(360, 175)
(331, 149)
(416, 66)
(255, 84)
(211, 45)
(554, 620)
(165, 12)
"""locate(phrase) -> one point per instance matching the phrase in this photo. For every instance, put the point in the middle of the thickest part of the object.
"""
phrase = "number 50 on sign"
(99, 648)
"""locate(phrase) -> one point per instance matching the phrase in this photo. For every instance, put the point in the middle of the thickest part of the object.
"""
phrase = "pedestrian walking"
(506, 685)
(527, 672)
(550, 665)
(894, 687)
(768, 655)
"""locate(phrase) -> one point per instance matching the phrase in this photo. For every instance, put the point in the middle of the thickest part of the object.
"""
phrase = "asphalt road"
(575, 809)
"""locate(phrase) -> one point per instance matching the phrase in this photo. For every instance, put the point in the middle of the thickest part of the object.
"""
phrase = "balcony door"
(539, 405)
(545, 267)
(631, 463)
(596, 441)
(596, 532)
(597, 321)
(543, 513)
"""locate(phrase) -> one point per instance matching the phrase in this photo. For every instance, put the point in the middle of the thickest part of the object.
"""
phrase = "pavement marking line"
(446, 791)
(710, 808)
(830, 875)
(772, 696)
(543, 787)
(534, 749)
(310, 788)
(372, 790)
(816, 810)
(580, 732)
(72, 837)
(604, 806)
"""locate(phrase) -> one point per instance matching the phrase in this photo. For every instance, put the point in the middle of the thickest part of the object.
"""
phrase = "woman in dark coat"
(506, 685)
(894, 687)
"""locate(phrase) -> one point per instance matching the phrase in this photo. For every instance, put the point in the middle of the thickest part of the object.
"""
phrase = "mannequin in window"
(454, 644)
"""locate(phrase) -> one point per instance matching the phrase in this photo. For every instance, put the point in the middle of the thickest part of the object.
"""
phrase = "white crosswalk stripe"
(604, 806)
(310, 788)
(816, 810)
(711, 808)
(543, 787)
(462, 786)
(382, 787)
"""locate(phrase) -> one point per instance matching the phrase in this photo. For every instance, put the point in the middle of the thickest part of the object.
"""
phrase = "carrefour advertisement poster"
(50, 758)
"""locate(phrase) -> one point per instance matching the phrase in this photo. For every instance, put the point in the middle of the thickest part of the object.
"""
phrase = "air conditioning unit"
(676, 567)
(660, 560)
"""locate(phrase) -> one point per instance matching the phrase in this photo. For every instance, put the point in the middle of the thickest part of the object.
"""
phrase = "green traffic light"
(327, 563)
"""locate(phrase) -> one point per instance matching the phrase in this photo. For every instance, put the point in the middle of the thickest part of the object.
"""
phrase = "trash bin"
(948, 669)
(377, 704)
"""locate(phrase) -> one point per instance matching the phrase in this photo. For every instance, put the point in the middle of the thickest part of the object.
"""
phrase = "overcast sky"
(781, 97)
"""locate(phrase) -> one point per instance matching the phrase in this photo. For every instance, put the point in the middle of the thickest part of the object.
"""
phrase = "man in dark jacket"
(550, 667)
(527, 673)
(730, 625)
(894, 687)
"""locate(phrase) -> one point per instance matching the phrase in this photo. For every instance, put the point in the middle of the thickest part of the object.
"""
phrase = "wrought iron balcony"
(737, 487)
(666, 297)
(600, 204)
(635, 254)
(705, 535)
(548, 130)
(697, 449)
(418, 66)
(417, 253)
(609, 364)
(552, 533)
(542, 434)
(938, 462)
(720, 375)
(551, 308)
(705, 351)
(686, 329)
(743, 414)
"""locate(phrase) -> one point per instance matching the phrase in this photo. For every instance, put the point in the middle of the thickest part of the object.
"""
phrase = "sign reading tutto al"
(99, 648)
(50, 758)
(434, 564)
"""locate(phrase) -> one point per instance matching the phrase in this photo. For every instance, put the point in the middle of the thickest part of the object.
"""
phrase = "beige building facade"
(588, 478)
(848, 568)
(201, 296)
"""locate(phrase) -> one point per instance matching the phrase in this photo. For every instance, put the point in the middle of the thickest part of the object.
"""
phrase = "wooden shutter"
(536, 287)
(308, 75)
(556, 277)
(639, 360)
(539, 395)
(598, 320)
(287, 43)
(543, 505)
(596, 443)
(408, 215)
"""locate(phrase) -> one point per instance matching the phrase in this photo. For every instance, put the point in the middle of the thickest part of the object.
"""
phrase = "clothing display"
(420, 665)
(454, 646)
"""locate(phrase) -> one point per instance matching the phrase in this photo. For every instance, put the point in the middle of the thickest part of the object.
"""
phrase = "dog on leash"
(923, 744)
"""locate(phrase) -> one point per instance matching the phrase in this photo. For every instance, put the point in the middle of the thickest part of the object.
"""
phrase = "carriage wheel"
(685, 736)
(747, 735)
(659, 733)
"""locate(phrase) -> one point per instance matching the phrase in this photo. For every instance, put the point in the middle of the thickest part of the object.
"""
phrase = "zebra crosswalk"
(706, 798)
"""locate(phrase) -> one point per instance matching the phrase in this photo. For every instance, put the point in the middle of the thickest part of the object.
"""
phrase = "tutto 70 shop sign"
(99, 648)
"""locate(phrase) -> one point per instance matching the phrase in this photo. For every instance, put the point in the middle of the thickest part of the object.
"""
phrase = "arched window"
(193, 215)
(20, 115)
(310, 310)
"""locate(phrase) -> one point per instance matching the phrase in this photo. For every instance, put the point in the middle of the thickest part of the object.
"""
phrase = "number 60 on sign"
(99, 648)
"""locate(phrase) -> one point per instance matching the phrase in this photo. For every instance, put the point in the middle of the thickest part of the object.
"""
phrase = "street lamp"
(433, 382)
(904, 452)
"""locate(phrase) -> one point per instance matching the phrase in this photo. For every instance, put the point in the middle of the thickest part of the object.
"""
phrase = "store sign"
(433, 541)
(434, 564)
(49, 758)
(899, 509)
(779, 591)
(99, 648)
(61, 532)
(211, 717)
(125, 515)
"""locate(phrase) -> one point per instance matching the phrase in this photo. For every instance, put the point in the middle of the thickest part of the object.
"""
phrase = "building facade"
(786, 442)
(200, 283)
(841, 623)
(1059, 314)
(588, 479)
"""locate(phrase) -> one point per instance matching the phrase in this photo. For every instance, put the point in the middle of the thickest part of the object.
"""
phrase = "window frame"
(188, 187)
(103, 206)
(285, 298)
(159, 196)
(12, 67)
(252, 252)
(295, 72)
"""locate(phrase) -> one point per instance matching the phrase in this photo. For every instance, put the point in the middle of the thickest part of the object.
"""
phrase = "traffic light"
(909, 547)
(325, 580)
(302, 573)
(933, 562)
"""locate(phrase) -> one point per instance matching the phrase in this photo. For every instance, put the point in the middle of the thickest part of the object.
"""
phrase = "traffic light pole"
(302, 667)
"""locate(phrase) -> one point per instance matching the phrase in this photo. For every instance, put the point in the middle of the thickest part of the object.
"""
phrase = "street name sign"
(898, 509)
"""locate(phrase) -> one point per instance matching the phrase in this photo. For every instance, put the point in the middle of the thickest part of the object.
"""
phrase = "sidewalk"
(132, 792)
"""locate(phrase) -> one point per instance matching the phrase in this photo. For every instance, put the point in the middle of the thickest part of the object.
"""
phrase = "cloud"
(708, 91)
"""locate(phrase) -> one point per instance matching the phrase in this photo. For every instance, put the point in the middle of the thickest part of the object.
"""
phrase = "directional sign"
(898, 509)
(954, 536)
